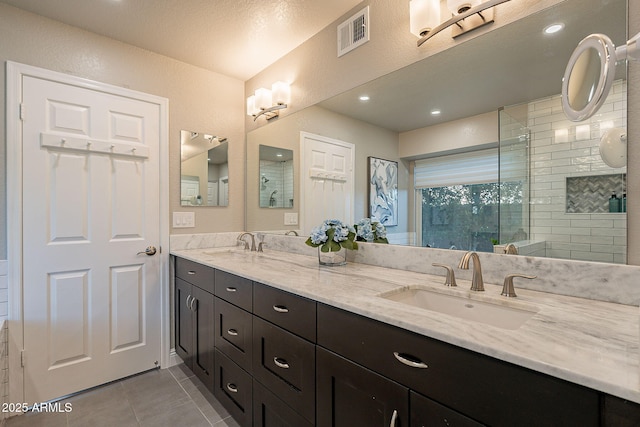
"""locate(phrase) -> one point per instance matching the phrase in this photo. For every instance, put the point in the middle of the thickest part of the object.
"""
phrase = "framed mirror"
(204, 169)
(276, 177)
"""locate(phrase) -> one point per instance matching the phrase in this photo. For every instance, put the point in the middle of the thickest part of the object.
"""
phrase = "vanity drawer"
(285, 364)
(234, 333)
(234, 389)
(197, 274)
(486, 389)
(234, 289)
(269, 411)
(294, 313)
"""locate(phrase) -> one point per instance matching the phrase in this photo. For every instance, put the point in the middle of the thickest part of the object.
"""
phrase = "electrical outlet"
(291, 218)
(184, 219)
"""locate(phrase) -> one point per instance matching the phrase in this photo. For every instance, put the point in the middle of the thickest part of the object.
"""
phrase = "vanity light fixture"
(467, 15)
(269, 102)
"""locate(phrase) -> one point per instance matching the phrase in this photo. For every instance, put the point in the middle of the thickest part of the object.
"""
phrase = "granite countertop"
(584, 341)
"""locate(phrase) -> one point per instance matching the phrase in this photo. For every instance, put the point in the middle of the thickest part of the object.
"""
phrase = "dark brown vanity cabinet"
(485, 390)
(194, 318)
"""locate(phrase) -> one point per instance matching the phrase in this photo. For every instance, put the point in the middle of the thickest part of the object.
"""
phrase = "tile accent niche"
(561, 152)
(590, 194)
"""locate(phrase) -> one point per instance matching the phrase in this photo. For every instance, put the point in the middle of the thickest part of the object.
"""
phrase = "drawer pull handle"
(280, 363)
(280, 308)
(410, 360)
(231, 289)
(188, 298)
(193, 299)
(394, 418)
(232, 332)
(232, 388)
(191, 273)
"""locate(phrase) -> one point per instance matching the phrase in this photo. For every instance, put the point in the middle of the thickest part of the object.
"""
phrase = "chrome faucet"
(294, 232)
(511, 249)
(246, 244)
(476, 282)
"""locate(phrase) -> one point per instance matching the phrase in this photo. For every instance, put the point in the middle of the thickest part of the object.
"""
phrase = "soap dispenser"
(624, 202)
(614, 203)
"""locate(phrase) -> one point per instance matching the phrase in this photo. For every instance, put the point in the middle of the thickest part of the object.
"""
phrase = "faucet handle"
(451, 277)
(507, 288)
(260, 245)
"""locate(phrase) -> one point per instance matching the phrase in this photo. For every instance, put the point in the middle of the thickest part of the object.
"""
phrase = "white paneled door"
(328, 181)
(91, 295)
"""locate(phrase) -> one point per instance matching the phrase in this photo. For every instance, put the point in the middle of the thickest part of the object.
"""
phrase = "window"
(458, 200)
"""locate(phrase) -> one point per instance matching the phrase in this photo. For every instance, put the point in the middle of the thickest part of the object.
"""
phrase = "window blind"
(476, 167)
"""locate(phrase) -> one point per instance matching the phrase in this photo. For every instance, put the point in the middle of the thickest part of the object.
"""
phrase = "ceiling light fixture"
(364, 98)
(269, 102)
(436, 112)
(553, 28)
(467, 15)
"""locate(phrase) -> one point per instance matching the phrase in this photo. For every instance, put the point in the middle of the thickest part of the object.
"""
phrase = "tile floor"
(159, 398)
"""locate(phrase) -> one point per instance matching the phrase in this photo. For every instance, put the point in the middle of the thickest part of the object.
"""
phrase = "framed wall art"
(383, 191)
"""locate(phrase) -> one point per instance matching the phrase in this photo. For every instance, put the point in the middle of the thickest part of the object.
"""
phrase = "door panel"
(328, 181)
(90, 204)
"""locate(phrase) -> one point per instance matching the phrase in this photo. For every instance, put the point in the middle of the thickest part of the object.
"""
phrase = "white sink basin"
(507, 315)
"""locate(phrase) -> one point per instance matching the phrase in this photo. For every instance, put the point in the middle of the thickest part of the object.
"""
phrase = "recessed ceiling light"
(279, 155)
(553, 28)
(364, 98)
(435, 112)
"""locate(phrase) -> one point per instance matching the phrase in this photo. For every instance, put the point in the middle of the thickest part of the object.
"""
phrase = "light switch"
(291, 218)
(184, 219)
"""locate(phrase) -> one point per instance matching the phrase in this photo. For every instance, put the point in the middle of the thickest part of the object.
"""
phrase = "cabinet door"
(269, 411)
(349, 395)
(427, 413)
(184, 322)
(204, 332)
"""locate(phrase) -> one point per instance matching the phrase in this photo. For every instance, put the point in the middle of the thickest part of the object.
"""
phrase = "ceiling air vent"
(353, 32)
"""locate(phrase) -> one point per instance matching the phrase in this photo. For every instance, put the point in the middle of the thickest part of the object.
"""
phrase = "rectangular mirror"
(204, 169)
(515, 111)
(276, 177)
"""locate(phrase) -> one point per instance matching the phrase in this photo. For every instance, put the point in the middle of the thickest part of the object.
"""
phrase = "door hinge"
(22, 111)
(22, 358)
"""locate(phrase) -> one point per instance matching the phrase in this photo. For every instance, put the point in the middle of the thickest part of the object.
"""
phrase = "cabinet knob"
(280, 308)
(280, 363)
(410, 360)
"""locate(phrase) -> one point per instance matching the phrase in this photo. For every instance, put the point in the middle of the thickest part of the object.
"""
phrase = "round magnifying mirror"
(588, 77)
(613, 148)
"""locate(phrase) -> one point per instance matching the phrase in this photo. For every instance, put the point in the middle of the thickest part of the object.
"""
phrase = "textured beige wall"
(316, 73)
(369, 140)
(450, 137)
(198, 99)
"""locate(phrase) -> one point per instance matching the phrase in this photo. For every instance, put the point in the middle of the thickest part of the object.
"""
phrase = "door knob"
(151, 250)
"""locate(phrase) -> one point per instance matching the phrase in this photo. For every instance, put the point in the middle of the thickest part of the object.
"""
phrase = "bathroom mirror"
(204, 169)
(523, 78)
(276, 177)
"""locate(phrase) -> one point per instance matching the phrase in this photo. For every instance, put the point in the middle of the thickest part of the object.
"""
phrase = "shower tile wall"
(560, 149)
(280, 175)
